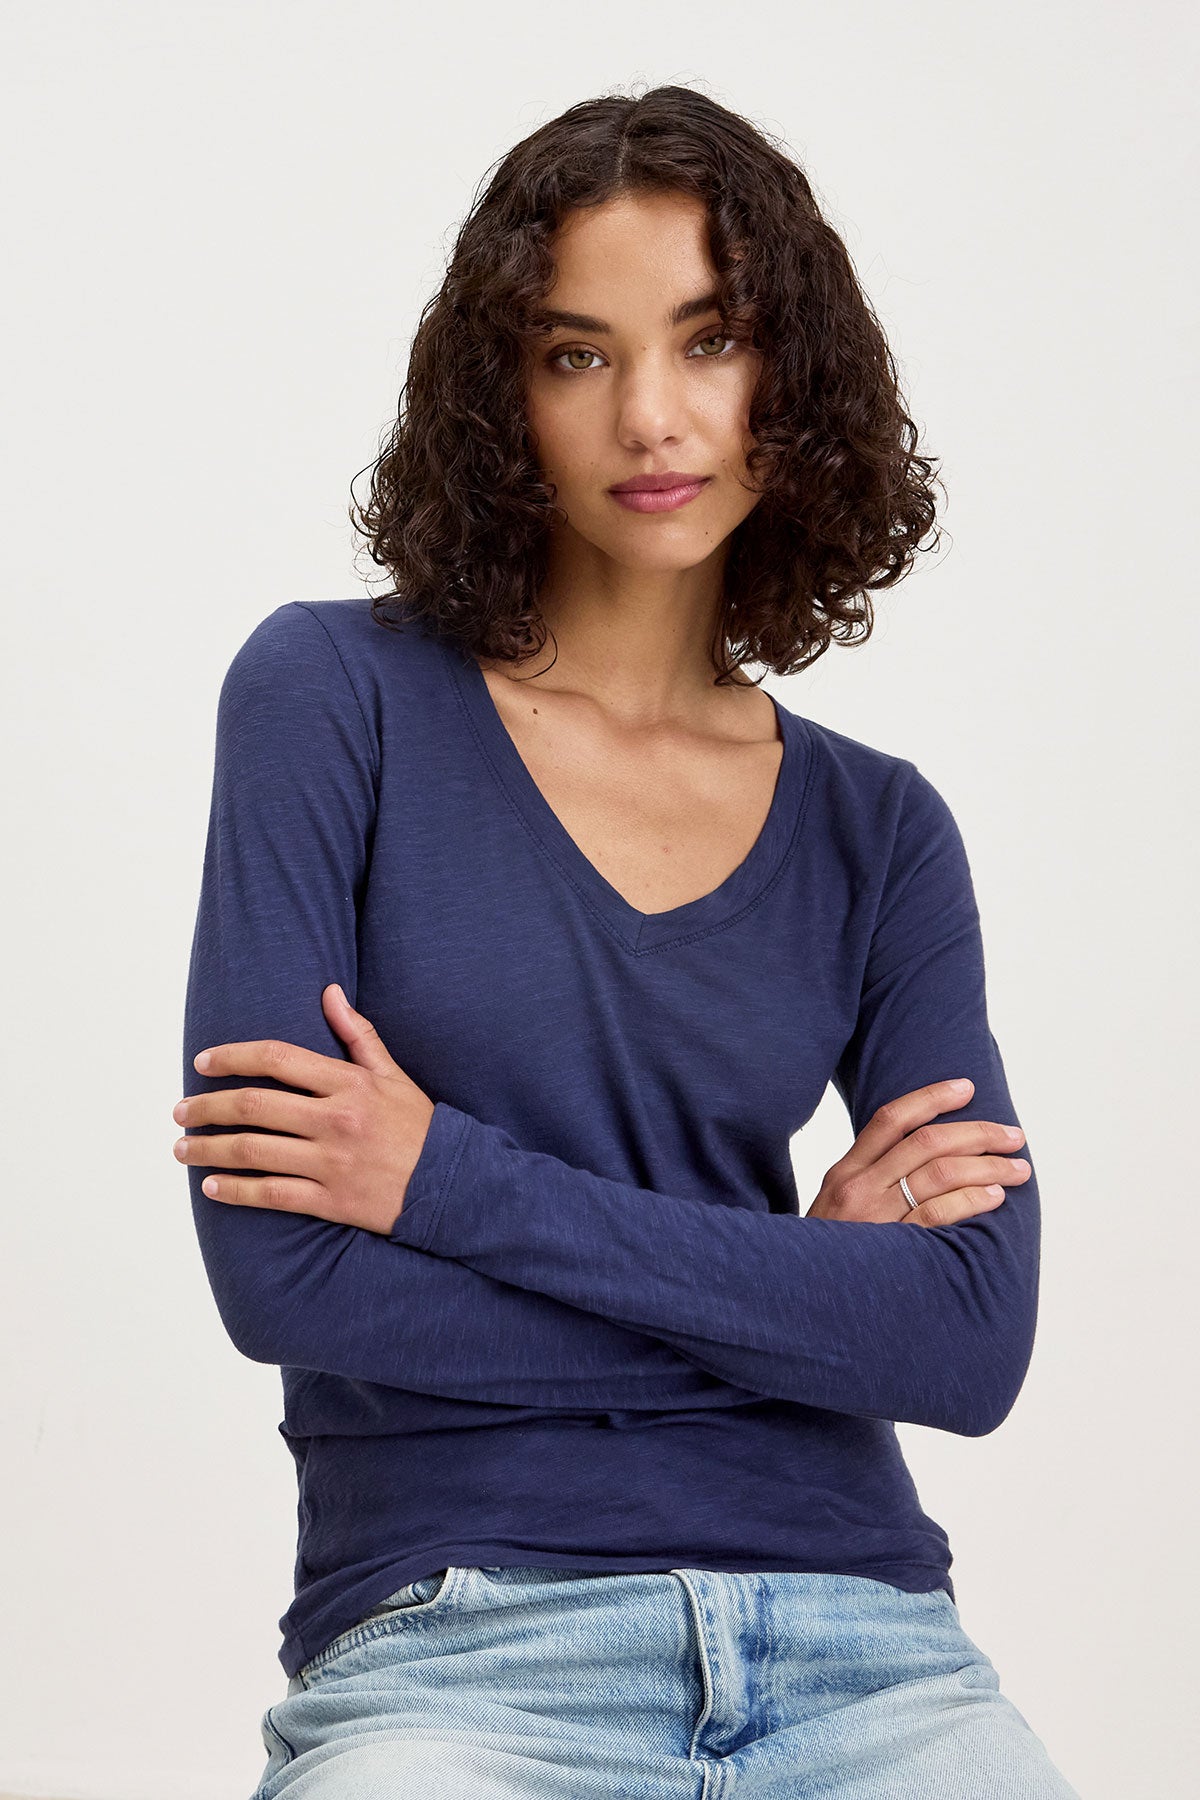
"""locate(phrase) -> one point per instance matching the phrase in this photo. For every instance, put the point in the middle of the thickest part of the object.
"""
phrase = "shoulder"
(851, 762)
(327, 675)
(874, 803)
(339, 639)
(856, 781)
(350, 628)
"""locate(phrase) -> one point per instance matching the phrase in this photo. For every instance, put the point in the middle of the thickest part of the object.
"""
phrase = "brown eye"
(571, 350)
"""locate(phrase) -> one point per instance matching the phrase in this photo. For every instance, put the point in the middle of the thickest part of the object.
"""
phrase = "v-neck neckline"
(638, 930)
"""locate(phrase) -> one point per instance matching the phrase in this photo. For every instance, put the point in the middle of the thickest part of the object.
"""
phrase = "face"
(643, 381)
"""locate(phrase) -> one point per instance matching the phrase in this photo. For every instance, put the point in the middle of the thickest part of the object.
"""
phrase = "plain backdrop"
(220, 222)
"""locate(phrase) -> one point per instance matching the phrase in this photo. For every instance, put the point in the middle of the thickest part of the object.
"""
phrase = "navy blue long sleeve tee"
(601, 1333)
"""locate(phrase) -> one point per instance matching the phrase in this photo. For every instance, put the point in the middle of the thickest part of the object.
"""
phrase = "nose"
(650, 404)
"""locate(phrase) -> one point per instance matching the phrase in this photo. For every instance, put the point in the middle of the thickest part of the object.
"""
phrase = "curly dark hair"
(459, 514)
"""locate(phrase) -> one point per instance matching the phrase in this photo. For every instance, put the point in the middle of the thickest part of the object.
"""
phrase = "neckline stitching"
(645, 921)
(534, 836)
(759, 898)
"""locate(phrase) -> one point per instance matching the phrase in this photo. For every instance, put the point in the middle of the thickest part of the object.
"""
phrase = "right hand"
(948, 1167)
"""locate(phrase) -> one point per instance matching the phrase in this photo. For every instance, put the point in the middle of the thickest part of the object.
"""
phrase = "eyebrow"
(550, 318)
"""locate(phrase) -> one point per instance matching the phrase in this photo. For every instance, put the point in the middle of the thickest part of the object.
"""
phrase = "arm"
(931, 1325)
(285, 863)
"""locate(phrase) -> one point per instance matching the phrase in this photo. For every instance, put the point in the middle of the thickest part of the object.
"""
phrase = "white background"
(220, 223)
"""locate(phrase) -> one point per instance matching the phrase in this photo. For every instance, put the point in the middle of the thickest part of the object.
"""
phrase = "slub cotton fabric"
(601, 1335)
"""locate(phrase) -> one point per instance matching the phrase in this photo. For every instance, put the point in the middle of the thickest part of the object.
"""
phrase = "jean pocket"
(427, 1595)
(279, 1751)
(414, 1593)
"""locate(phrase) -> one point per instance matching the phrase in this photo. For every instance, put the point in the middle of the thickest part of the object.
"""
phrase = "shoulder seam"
(371, 745)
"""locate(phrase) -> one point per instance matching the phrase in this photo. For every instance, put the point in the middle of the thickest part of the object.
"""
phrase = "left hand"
(357, 1134)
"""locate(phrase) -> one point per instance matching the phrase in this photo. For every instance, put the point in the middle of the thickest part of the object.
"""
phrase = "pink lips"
(658, 493)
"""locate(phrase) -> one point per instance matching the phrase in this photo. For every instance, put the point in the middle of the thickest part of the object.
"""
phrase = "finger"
(947, 1174)
(291, 1064)
(946, 1143)
(262, 1109)
(275, 1193)
(951, 1209)
(365, 1044)
(896, 1118)
(251, 1151)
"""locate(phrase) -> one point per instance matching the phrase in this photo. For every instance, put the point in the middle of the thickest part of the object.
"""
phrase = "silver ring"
(904, 1189)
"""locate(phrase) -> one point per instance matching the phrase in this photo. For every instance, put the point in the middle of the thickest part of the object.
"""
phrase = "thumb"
(366, 1046)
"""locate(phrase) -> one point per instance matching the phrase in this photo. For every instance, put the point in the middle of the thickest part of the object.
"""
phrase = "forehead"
(632, 253)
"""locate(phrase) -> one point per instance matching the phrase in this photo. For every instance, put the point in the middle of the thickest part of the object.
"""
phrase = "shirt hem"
(910, 1577)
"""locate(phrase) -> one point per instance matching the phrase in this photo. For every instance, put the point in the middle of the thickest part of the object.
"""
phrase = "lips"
(660, 499)
(653, 484)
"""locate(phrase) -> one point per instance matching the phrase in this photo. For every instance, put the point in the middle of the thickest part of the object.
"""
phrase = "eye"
(715, 337)
(571, 350)
(712, 337)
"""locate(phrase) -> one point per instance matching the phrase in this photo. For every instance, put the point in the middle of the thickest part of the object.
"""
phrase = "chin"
(661, 559)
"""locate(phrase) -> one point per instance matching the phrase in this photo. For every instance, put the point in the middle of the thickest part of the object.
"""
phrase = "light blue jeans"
(556, 1684)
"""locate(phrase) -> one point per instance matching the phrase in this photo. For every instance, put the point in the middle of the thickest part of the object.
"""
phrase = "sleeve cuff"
(431, 1179)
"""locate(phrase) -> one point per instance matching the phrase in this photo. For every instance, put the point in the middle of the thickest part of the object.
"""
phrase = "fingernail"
(993, 1189)
(202, 1061)
(961, 1085)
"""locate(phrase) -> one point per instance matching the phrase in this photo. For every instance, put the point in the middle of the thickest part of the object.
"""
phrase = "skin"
(632, 600)
(632, 597)
(663, 779)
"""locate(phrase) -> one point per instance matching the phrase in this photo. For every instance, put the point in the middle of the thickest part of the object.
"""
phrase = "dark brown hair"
(458, 512)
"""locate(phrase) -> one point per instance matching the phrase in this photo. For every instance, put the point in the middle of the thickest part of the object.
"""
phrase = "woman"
(600, 1491)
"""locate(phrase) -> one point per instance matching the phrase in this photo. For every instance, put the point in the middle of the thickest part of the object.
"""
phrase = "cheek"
(559, 432)
(721, 417)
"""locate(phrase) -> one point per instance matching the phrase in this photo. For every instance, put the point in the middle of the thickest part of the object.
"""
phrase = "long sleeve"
(929, 1325)
(286, 859)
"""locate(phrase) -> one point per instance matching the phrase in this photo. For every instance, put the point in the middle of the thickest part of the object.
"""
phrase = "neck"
(635, 639)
